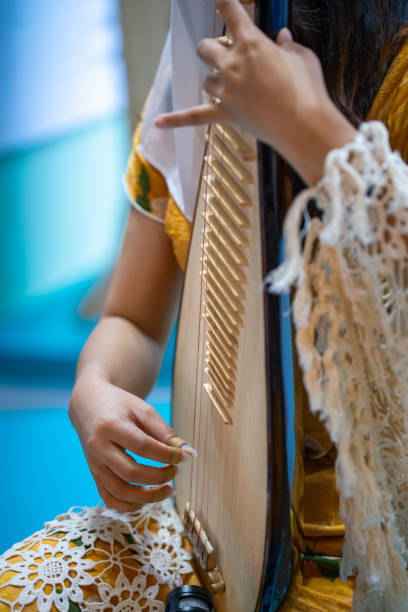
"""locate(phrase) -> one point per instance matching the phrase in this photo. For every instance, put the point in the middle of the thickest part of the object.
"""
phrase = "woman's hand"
(275, 91)
(108, 421)
(120, 363)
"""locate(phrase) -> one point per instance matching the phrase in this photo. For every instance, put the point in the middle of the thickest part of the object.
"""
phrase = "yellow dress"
(107, 561)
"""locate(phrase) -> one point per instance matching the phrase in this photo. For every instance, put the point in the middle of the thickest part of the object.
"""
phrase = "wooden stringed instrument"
(227, 388)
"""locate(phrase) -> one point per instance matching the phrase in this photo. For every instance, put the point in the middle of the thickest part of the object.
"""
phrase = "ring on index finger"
(226, 40)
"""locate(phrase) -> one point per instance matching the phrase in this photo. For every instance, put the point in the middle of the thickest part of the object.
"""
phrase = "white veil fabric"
(178, 84)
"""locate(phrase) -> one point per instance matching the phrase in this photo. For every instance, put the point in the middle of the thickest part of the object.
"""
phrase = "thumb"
(284, 36)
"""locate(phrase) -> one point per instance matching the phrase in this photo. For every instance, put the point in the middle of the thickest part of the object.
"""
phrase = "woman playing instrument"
(305, 104)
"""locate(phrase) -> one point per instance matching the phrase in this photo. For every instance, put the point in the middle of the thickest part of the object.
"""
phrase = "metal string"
(201, 336)
(208, 433)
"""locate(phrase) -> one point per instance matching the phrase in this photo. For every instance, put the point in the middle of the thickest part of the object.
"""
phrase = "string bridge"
(203, 550)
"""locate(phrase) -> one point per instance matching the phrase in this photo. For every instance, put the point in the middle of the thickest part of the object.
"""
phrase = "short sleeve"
(144, 184)
(147, 191)
(178, 229)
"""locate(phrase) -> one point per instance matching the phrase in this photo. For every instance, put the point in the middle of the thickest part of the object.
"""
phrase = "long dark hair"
(356, 41)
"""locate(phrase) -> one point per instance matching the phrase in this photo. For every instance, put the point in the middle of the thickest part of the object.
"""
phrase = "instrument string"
(203, 439)
(199, 356)
(209, 408)
(200, 342)
(204, 406)
(217, 427)
(208, 429)
(213, 425)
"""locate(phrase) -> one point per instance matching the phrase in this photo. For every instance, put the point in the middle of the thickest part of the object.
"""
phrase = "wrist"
(320, 132)
(89, 384)
(91, 373)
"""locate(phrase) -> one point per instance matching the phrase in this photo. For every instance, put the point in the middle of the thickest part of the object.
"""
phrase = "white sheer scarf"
(178, 84)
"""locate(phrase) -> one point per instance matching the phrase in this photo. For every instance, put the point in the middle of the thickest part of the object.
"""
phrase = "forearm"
(126, 347)
(122, 354)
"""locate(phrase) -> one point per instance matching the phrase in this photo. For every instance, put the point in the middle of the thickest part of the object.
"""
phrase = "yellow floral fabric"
(178, 228)
(146, 186)
(92, 560)
(148, 189)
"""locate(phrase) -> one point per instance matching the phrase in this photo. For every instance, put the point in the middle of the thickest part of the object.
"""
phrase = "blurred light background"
(73, 80)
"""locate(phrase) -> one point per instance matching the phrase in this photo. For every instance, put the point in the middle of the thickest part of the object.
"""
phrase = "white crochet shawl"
(351, 317)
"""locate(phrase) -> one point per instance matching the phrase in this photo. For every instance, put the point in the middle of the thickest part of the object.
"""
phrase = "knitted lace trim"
(350, 266)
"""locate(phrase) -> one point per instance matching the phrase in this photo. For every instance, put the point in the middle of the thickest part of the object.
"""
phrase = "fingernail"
(188, 450)
(170, 493)
(285, 33)
(159, 121)
(176, 469)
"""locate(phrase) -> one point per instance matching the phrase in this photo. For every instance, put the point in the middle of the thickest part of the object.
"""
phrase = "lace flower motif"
(90, 524)
(163, 513)
(127, 596)
(165, 558)
(50, 575)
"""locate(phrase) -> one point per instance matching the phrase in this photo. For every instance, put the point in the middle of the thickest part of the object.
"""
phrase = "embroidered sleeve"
(350, 265)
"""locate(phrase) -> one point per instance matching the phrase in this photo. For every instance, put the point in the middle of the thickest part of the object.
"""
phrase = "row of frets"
(226, 240)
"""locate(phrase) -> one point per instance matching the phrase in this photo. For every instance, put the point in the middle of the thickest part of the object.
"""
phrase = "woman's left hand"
(275, 91)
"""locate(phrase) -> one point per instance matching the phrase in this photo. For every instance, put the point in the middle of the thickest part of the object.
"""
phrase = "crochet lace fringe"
(350, 312)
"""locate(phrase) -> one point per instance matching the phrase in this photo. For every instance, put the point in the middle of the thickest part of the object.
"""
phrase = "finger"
(188, 451)
(287, 44)
(211, 52)
(197, 115)
(235, 17)
(133, 494)
(284, 35)
(225, 40)
(112, 502)
(130, 471)
(136, 441)
(214, 84)
(151, 423)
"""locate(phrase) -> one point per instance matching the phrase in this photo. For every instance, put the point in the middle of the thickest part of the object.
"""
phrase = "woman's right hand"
(110, 422)
(120, 363)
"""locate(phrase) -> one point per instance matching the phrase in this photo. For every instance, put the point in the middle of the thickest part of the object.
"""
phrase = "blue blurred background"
(73, 80)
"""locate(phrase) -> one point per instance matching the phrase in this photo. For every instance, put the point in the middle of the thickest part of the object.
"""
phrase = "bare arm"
(128, 342)
(119, 364)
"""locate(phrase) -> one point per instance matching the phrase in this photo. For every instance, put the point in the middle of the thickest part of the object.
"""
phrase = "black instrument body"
(271, 16)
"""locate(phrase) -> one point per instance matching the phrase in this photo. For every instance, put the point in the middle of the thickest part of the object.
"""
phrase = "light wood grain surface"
(229, 477)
